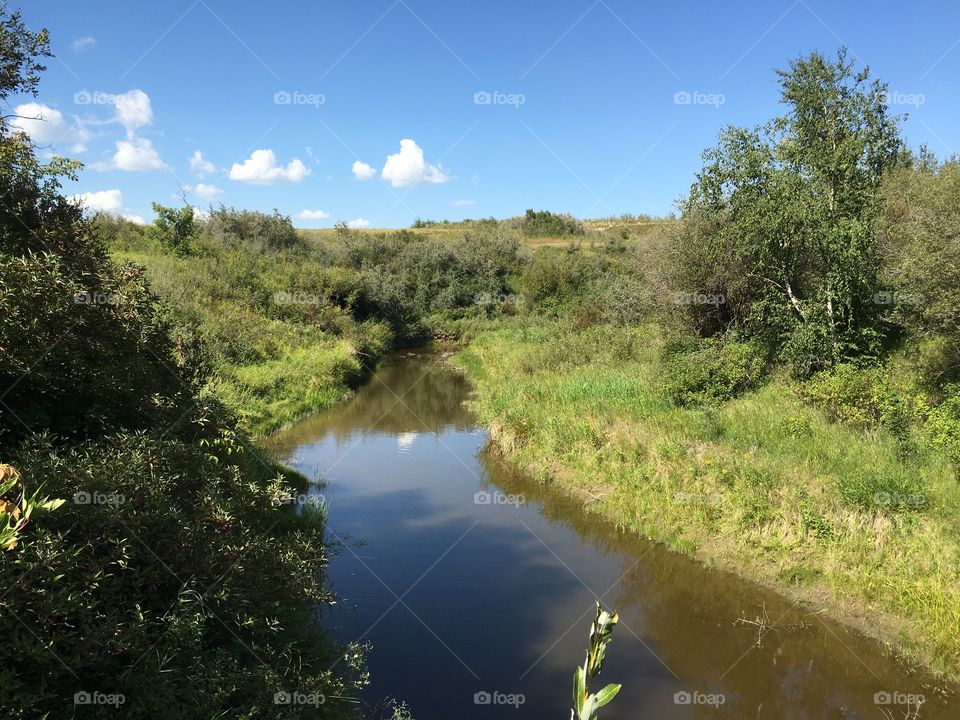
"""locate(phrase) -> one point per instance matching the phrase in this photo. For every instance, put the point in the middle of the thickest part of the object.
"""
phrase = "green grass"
(764, 485)
(271, 365)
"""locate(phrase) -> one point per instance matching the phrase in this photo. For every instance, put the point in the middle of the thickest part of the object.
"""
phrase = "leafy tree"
(782, 219)
(174, 228)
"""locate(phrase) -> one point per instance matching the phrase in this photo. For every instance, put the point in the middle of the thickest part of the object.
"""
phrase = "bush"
(248, 227)
(543, 223)
(713, 372)
(860, 396)
(172, 576)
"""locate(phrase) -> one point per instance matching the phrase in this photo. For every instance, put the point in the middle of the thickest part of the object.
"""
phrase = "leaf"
(607, 694)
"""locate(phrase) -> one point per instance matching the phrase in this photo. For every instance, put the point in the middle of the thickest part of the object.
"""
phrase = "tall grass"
(764, 484)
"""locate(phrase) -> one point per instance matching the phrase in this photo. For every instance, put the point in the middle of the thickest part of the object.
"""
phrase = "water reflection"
(465, 594)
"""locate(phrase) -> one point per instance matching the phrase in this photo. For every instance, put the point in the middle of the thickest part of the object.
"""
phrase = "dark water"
(460, 596)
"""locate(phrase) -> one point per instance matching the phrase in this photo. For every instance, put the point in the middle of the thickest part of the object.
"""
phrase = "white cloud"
(200, 165)
(137, 154)
(362, 171)
(407, 167)
(463, 203)
(138, 219)
(82, 43)
(44, 124)
(207, 192)
(358, 223)
(261, 169)
(102, 200)
(133, 109)
(313, 215)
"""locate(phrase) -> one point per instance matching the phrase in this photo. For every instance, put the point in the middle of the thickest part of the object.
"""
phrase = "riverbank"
(760, 485)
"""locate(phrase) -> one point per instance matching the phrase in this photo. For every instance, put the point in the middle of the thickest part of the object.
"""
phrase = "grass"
(271, 365)
(764, 485)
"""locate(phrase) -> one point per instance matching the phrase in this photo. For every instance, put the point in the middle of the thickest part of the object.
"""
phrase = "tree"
(782, 219)
(174, 228)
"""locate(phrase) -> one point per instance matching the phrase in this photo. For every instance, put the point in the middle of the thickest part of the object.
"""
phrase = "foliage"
(174, 228)
(16, 506)
(175, 578)
(714, 371)
(585, 703)
(543, 223)
(920, 240)
(783, 218)
(248, 227)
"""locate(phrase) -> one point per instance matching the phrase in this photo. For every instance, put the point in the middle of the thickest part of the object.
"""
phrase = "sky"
(376, 112)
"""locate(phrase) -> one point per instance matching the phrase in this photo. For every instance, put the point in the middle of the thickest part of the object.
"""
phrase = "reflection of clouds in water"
(405, 440)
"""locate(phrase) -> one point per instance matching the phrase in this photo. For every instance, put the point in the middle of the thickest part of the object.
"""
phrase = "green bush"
(862, 396)
(543, 223)
(173, 575)
(713, 372)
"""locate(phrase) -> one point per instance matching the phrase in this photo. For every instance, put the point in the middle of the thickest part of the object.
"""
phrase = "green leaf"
(607, 694)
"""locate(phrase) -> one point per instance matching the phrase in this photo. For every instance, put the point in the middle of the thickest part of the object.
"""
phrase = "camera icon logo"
(282, 98)
(682, 98)
(84, 97)
(82, 698)
(682, 698)
(482, 698)
(482, 98)
(282, 698)
(82, 498)
(482, 498)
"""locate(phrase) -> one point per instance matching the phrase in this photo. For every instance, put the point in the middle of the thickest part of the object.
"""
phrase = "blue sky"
(384, 110)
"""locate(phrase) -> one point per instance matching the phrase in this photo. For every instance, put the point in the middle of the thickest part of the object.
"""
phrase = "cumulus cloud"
(82, 43)
(44, 124)
(133, 109)
(463, 203)
(261, 168)
(358, 223)
(362, 171)
(102, 200)
(138, 219)
(137, 154)
(207, 192)
(200, 165)
(407, 168)
(313, 215)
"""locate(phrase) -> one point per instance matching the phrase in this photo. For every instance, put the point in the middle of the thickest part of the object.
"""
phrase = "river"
(476, 585)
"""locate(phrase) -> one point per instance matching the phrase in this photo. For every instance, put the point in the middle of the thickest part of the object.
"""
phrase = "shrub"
(543, 223)
(713, 372)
